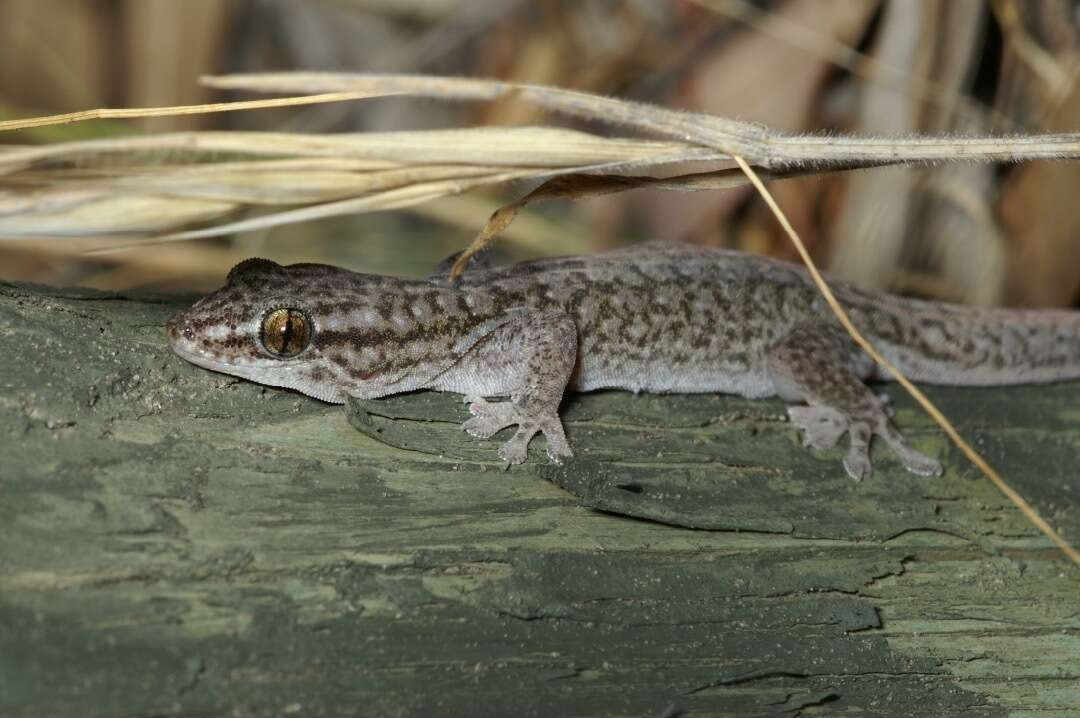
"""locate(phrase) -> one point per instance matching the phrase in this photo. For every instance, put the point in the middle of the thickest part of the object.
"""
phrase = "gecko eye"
(285, 332)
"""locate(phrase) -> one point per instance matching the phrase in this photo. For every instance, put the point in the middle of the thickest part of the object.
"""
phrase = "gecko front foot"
(489, 418)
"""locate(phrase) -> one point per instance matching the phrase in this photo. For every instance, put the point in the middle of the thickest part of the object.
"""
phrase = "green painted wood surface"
(175, 542)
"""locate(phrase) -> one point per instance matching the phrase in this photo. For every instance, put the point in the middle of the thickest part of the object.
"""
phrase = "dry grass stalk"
(106, 113)
(51, 193)
(141, 186)
(757, 144)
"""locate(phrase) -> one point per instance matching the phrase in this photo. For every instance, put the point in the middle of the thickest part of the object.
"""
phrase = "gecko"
(655, 317)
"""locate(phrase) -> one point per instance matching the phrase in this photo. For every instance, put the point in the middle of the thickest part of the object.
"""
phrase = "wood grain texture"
(175, 542)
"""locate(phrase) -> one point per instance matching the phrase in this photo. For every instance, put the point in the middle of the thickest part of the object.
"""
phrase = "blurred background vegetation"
(971, 233)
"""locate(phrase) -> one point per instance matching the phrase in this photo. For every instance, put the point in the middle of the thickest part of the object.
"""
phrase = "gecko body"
(656, 318)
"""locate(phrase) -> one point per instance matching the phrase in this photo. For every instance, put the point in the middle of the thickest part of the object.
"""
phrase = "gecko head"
(261, 326)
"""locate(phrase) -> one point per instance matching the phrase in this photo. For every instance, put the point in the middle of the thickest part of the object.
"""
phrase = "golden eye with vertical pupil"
(285, 332)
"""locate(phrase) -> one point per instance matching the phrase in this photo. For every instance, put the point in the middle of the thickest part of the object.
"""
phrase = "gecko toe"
(858, 465)
(516, 450)
(558, 448)
(821, 426)
(918, 463)
(914, 461)
(557, 458)
(479, 428)
(857, 462)
(513, 453)
(489, 419)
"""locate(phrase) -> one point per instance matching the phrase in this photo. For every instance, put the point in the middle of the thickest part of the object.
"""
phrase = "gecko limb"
(540, 350)
(820, 365)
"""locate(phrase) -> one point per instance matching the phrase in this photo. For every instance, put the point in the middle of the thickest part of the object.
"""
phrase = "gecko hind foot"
(822, 427)
(914, 461)
(490, 418)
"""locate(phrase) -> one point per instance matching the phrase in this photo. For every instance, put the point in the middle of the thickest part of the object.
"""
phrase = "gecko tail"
(972, 346)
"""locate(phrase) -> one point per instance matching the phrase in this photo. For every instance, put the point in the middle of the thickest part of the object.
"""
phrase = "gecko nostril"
(189, 334)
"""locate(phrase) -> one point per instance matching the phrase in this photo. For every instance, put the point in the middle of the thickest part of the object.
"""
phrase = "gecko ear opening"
(252, 267)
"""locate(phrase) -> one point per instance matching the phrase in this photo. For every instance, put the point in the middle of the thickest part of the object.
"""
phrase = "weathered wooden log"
(177, 542)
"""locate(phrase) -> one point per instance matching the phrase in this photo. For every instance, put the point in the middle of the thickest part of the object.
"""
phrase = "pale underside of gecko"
(656, 317)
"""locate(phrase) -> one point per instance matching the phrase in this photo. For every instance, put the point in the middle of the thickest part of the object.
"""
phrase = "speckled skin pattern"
(656, 318)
